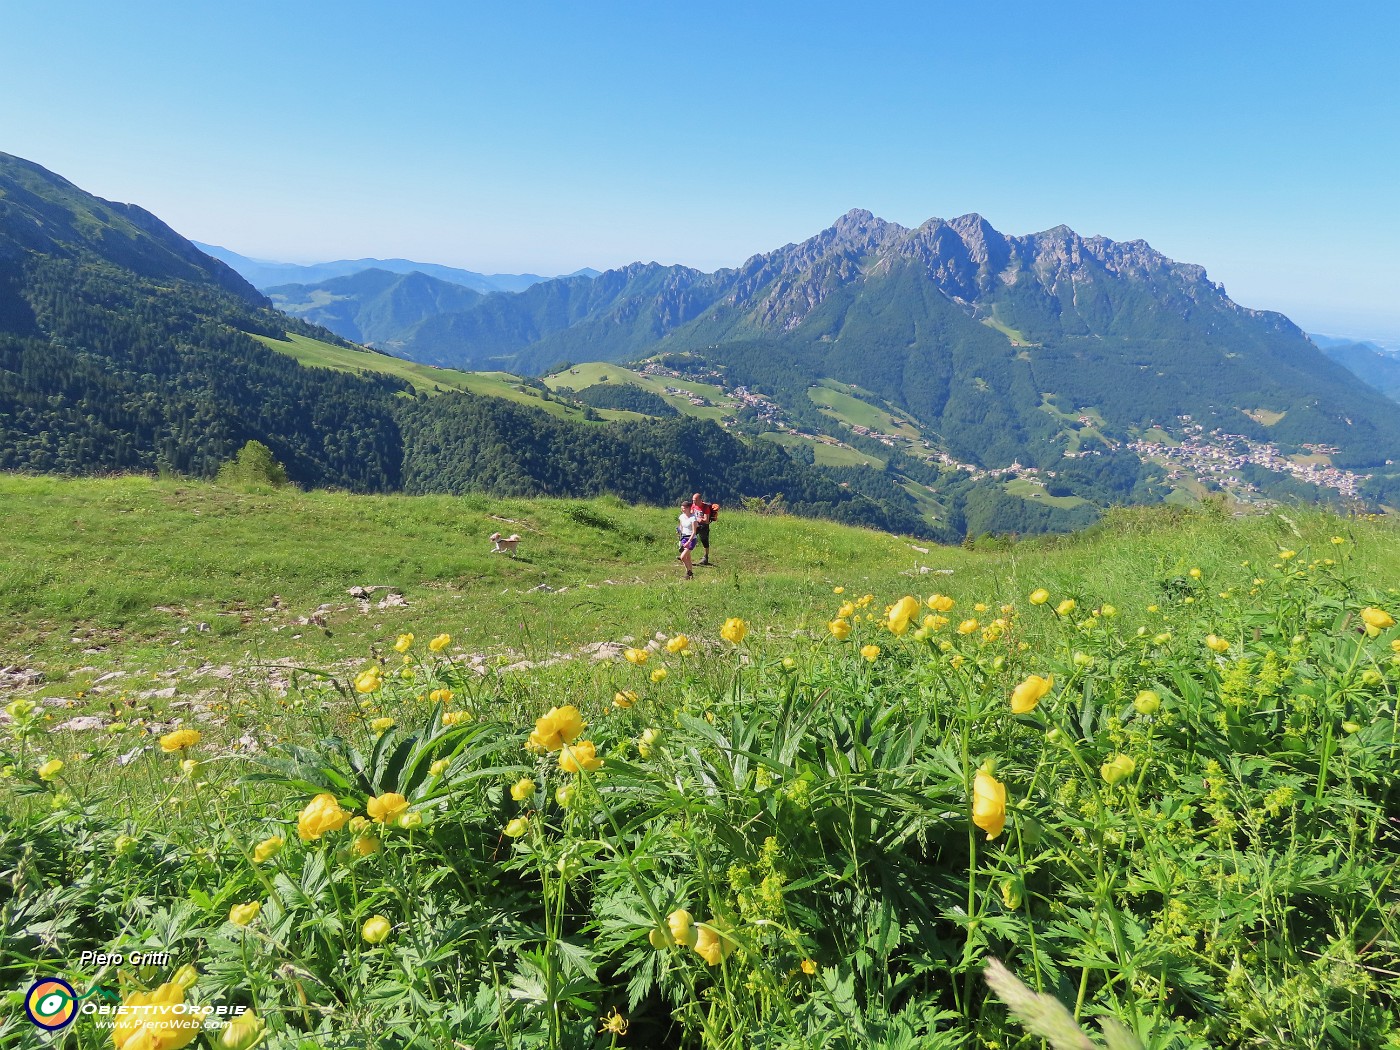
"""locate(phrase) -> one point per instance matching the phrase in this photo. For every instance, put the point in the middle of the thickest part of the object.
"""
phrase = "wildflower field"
(1151, 769)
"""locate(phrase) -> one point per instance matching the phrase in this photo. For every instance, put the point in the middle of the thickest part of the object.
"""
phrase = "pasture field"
(568, 800)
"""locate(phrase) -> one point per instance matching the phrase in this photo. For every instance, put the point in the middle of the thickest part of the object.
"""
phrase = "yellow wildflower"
(901, 613)
(988, 802)
(242, 1032)
(440, 643)
(659, 674)
(734, 630)
(870, 652)
(369, 680)
(1216, 644)
(243, 914)
(614, 1023)
(940, 603)
(522, 789)
(404, 642)
(322, 814)
(713, 943)
(578, 757)
(636, 657)
(560, 726)
(1040, 596)
(268, 848)
(50, 769)
(1147, 702)
(154, 1020)
(809, 967)
(682, 927)
(439, 767)
(441, 696)
(382, 724)
(840, 629)
(1376, 620)
(679, 644)
(516, 827)
(968, 626)
(624, 699)
(846, 611)
(648, 742)
(456, 718)
(1027, 695)
(179, 740)
(386, 808)
(1066, 607)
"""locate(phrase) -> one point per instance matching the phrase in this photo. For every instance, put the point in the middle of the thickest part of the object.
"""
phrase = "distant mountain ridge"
(989, 340)
(264, 274)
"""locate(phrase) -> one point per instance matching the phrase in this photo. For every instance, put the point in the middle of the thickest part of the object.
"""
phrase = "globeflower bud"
(1117, 769)
(682, 926)
(376, 930)
(1147, 702)
(242, 1032)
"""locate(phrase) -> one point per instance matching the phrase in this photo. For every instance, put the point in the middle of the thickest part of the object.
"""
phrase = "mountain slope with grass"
(1148, 767)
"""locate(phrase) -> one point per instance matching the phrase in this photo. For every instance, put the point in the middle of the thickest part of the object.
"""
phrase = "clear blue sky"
(1261, 140)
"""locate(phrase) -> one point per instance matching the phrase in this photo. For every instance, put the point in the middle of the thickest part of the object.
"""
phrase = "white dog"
(504, 544)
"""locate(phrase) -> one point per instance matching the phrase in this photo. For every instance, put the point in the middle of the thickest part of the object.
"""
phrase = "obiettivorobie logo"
(52, 1003)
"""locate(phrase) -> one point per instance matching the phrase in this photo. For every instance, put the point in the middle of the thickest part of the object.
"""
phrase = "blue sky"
(1259, 140)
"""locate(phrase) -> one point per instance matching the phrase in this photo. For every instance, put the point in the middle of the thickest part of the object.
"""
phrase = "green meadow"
(567, 799)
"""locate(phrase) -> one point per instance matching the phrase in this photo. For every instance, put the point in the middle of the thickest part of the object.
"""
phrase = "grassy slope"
(123, 564)
(591, 373)
(426, 379)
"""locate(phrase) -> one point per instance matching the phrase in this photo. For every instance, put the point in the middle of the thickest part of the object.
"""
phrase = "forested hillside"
(123, 348)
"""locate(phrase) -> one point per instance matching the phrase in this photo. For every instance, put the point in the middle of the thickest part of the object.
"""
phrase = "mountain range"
(987, 340)
(264, 274)
(945, 380)
(123, 347)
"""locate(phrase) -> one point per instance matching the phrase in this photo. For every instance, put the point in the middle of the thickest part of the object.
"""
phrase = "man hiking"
(706, 513)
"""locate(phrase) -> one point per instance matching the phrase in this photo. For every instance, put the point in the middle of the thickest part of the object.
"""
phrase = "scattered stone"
(921, 550)
(603, 650)
(543, 588)
(157, 694)
(392, 600)
(132, 755)
(81, 724)
(109, 676)
(16, 677)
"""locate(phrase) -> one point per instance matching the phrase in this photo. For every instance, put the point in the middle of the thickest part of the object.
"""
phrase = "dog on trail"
(504, 544)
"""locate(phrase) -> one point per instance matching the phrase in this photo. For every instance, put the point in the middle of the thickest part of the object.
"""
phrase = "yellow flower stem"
(1329, 718)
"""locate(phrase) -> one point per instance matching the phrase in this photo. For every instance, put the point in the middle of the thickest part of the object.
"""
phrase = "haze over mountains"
(263, 274)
